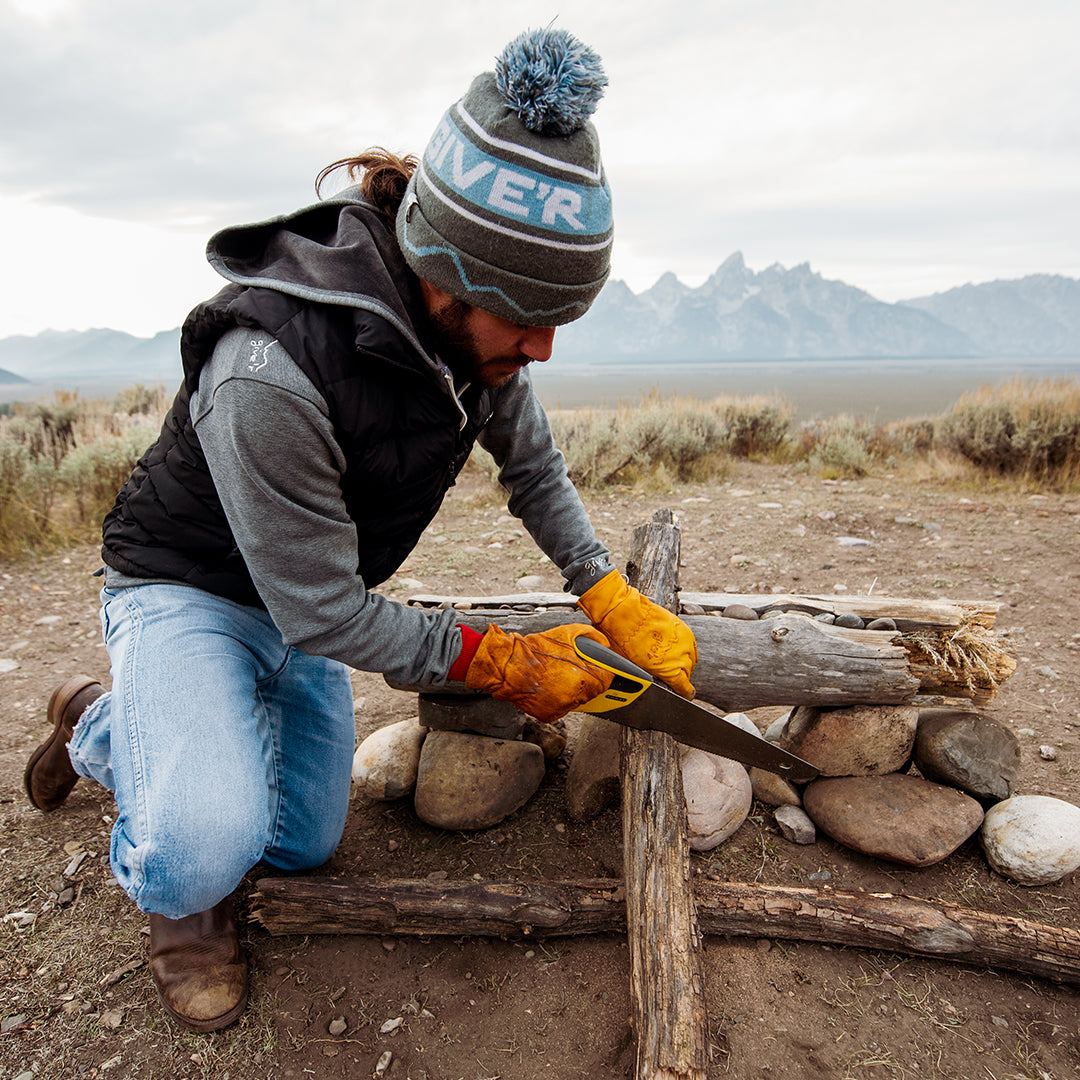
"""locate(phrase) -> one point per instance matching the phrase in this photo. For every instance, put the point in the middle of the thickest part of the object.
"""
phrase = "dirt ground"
(77, 1000)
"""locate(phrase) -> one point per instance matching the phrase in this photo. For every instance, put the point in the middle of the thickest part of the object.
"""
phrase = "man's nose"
(536, 342)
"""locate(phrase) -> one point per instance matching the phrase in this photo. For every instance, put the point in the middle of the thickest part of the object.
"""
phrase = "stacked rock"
(866, 799)
(469, 762)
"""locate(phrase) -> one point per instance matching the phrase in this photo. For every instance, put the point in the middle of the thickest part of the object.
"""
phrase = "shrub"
(1021, 428)
(94, 473)
(684, 438)
(756, 427)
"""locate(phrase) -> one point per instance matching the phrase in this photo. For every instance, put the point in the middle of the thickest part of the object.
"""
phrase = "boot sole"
(202, 1026)
(61, 698)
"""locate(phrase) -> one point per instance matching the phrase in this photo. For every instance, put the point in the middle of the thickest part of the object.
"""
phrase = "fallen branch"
(542, 909)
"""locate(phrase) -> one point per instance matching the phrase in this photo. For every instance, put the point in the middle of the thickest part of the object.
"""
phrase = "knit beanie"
(509, 209)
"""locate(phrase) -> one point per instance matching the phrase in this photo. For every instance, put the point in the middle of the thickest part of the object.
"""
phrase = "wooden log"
(542, 909)
(789, 660)
(907, 613)
(668, 1012)
(793, 660)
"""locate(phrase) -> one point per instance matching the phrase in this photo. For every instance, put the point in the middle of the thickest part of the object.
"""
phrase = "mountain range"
(737, 313)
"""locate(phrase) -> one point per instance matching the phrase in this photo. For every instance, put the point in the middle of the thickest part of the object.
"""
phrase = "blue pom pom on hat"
(551, 80)
(510, 209)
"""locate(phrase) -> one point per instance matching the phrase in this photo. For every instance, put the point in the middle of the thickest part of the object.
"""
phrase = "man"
(331, 393)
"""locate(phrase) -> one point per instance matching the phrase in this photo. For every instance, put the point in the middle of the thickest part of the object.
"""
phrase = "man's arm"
(277, 467)
(533, 471)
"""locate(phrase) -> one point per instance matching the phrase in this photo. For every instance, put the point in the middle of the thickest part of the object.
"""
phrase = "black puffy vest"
(394, 418)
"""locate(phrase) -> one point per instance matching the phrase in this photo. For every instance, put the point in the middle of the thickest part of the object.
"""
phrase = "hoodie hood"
(339, 251)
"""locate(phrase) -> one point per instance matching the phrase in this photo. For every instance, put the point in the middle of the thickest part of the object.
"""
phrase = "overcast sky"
(903, 147)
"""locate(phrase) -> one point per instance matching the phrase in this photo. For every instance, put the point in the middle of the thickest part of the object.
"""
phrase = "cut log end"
(967, 662)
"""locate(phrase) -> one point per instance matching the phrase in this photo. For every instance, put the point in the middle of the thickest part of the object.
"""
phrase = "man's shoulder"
(257, 357)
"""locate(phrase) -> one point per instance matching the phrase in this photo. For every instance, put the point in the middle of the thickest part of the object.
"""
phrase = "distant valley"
(737, 314)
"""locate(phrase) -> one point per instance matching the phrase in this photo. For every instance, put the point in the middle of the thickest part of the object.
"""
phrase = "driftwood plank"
(668, 1010)
(541, 909)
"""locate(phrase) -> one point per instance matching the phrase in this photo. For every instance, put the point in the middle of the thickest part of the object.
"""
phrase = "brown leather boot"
(199, 968)
(49, 776)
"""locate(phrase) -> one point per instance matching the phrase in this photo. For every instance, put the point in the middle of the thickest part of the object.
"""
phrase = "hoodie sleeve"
(277, 468)
(533, 471)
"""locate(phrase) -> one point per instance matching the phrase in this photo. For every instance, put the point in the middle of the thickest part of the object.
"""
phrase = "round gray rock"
(897, 817)
(1032, 839)
(472, 782)
(740, 611)
(961, 748)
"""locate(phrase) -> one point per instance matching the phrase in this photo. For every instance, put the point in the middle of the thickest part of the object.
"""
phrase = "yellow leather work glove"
(642, 631)
(539, 673)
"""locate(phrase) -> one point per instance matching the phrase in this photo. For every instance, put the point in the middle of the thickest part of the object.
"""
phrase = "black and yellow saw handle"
(629, 681)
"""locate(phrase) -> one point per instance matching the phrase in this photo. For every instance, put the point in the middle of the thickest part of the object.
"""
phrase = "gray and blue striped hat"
(509, 209)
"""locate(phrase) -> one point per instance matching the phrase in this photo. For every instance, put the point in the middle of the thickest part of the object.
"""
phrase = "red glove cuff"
(470, 642)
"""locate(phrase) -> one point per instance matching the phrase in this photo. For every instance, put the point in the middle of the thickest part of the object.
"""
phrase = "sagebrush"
(62, 462)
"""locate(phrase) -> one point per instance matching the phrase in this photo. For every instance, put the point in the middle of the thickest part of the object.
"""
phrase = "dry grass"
(62, 462)
(970, 656)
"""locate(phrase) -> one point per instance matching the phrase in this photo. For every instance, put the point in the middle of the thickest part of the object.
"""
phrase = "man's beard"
(460, 351)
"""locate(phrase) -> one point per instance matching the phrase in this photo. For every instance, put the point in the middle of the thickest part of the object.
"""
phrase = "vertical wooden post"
(667, 996)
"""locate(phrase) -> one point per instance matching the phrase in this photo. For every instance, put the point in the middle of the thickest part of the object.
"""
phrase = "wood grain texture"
(543, 909)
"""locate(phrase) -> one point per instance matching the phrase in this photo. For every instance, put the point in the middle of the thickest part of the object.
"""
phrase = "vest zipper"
(448, 375)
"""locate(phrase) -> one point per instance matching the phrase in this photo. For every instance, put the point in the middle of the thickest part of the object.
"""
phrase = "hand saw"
(637, 700)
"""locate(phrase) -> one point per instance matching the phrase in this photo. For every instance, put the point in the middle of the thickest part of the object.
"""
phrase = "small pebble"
(112, 1018)
(75, 865)
(391, 1025)
(881, 624)
(825, 617)
(740, 611)
(337, 1026)
(850, 621)
(821, 875)
(393, 845)
(384, 1063)
(1047, 753)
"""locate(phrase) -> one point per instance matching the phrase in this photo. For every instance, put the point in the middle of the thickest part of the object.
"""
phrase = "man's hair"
(383, 177)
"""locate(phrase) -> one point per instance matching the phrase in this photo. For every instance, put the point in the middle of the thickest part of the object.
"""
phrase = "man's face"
(481, 346)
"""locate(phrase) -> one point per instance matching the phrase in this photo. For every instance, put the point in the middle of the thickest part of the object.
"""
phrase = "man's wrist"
(470, 642)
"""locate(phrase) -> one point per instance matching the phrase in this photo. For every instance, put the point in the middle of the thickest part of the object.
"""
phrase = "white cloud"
(892, 145)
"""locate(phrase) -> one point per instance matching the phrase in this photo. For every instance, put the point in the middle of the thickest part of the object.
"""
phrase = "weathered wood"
(541, 909)
(786, 660)
(668, 1010)
(908, 614)
(793, 660)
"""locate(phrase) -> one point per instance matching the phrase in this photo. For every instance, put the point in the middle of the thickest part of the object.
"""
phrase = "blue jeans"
(221, 744)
